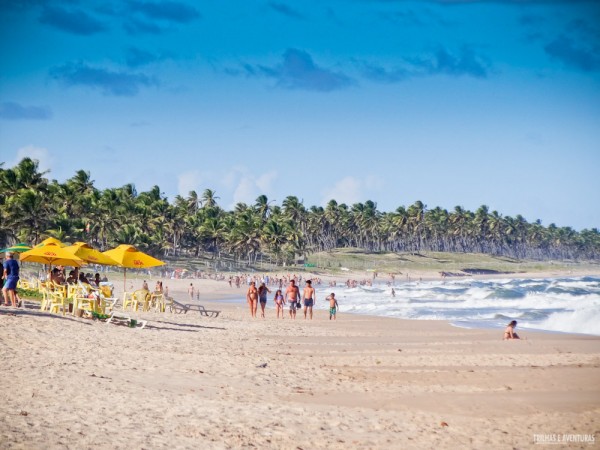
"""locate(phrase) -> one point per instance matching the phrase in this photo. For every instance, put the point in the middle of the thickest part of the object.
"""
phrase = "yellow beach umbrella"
(50, 241)
(52, 255)
(90, 254)
(127, 256)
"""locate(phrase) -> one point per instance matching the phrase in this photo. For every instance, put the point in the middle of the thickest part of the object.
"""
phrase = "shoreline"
(466, 322)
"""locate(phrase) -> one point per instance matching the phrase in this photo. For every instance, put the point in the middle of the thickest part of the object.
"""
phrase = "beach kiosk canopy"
(52, 255)
(127, 256)
(90, 254)
(50, 241)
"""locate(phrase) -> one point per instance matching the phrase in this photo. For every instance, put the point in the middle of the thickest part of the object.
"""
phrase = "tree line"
(33, 208)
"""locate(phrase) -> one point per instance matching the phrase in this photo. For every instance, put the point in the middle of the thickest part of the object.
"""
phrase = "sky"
(450, 102)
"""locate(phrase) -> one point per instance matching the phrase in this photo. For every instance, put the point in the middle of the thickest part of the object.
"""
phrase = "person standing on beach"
(292, 294)
(308, 295)
(333, 306)
(279, 302)
(11, 278)
(191, 291)
(252, 298)
(262, 296)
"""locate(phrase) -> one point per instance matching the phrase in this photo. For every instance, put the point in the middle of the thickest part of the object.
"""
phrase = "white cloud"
(246, 190)
(247, 185)
(351, 190)
(265, 181)
(188, 181)
(39, 153)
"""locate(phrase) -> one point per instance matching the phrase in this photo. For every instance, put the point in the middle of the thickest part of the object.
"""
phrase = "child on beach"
(279, 302)
(333, 306)
(509, 332)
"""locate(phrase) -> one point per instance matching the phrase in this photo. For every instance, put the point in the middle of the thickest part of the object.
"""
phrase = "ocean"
(569, 305)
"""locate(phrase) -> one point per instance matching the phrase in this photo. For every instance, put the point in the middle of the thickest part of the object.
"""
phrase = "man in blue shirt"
(11, 277)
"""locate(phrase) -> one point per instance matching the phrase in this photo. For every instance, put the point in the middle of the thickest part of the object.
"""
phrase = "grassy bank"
(359, 260)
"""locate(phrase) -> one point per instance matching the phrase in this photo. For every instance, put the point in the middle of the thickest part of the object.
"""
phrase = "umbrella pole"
(124, 279)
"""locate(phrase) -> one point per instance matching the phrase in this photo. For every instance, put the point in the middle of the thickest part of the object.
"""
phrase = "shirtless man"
(333, 306)
(292, 295)
(252, 298)
(308, 295)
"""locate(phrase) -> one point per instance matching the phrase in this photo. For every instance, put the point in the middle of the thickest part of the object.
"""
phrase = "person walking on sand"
(333, 306)
(252, 298)
(191, 291)
(262, 296)
(292, 294)
(11, 278)
(279, 302)
(308, 295)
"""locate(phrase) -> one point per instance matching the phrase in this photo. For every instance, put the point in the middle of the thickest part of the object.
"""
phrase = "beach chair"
(202, 310)
(86, 304)
(136, 298)
(126, 320)
(58, 302)
(62, 289)
(177, 307)
(168, 302)
(45, 303)
(105, 293)
(25, 284)
(158, 301)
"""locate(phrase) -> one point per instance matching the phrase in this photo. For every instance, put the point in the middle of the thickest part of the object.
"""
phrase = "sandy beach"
(187, 381)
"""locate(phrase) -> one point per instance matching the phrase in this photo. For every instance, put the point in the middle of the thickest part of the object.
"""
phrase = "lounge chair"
(179, 308)
(126, 320)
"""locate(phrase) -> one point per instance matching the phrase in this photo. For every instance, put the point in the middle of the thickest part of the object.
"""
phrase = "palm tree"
(212, 229)
(262, 207)
(209, 198)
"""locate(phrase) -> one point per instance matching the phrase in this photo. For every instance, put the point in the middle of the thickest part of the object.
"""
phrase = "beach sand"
(187, 381)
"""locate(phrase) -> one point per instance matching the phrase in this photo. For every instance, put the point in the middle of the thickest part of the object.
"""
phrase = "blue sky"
(451, 102)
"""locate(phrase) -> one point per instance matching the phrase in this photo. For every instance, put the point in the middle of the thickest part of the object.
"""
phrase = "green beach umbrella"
(17, 248)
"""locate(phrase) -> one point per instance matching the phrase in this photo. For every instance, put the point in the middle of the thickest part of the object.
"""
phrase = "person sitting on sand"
(333, 306)
(509, 333)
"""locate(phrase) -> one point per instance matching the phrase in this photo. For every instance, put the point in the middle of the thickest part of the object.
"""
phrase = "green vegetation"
(198, 229)
(30, 294)
(387, 262)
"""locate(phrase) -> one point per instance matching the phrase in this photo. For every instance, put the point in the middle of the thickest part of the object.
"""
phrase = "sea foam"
(554, 304)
